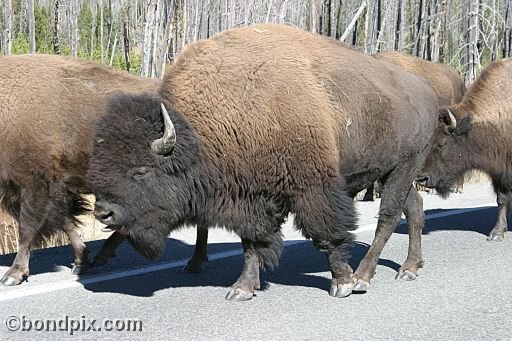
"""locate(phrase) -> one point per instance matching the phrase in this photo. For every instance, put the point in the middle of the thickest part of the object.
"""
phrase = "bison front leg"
(81, 263)
(257, 254)
(395, 190)
(413, 210)
(108, 249)
(497, 234)
(200, 252)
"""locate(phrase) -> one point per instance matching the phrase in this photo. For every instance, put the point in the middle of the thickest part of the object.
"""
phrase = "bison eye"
(140, 172)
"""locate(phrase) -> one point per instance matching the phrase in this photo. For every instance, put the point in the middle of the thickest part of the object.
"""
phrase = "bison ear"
(464, 126)
(448, 119)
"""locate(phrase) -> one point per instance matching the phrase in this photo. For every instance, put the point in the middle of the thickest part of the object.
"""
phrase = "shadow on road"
(301, 265)
(480, 221)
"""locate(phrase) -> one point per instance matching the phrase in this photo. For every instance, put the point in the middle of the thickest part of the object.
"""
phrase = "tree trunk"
(147, 44)
(101, 33)
(8, 27)
(74, 28)
(31, 27)
(474, 58)
(353, 23)
(126, 40)
(166, 40)
(56, 28)
(417, 41)
(507, 29)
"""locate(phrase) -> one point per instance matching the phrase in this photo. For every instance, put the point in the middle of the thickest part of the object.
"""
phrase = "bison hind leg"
(327, 216)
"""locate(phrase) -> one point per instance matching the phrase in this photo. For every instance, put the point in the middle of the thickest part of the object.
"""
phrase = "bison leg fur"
(200, 252)
(19, 270)
(395, 190)
(31, 219)
(497, 234)
(81, 263)
(413, 210)
(108, 249)
(261, 253)
(328, 220)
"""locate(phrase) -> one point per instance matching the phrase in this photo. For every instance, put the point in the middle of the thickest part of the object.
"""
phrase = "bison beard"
(258, 137)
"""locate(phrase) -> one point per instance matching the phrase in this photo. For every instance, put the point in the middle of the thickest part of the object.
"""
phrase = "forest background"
(143, 36)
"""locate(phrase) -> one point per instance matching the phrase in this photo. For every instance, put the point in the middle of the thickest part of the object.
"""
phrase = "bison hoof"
(361, 286)
(239, 295)
(9, 281)
(405, 275)
(342, 291)
(79, 269)
(496, 237)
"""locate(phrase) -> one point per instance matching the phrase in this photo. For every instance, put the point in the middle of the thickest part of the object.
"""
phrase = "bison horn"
(165, 144)
(453, 121)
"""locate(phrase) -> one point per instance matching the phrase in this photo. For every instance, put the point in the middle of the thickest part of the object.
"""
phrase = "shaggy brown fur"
(446, 82)
(49, 105)
(269, 120)
(481, 139)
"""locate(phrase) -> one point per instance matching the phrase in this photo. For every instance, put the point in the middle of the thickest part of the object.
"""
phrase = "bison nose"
(422, 180)
(108, 214)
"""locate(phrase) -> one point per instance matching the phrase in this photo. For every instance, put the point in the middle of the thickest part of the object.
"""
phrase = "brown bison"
(475, 134)
(49, 107)
(446, 83)
(265, 121)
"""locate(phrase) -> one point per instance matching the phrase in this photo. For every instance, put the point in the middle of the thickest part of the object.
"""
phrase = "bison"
(474, 134)
(256, 123)
(50, 105)
(446, 83)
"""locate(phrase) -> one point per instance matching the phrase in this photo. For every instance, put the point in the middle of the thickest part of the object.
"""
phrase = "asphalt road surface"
(463, 292)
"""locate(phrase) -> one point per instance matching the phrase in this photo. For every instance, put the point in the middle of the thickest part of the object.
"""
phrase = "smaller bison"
(446, 82)
(49, 106)
(475, 134)
(256, 123)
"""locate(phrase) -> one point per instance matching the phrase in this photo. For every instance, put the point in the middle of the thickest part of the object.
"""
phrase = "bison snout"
(424, 181)
(109, 214)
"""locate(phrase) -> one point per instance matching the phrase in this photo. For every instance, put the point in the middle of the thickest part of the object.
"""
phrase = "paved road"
(464, 291)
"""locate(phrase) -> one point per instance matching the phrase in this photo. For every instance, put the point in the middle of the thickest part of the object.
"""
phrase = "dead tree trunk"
(417, 41)
(474, 35)
(56, 28)
(126, 40)
(31, 27)
(507, 30)
(8, 27)
(147, 44)
(74, 28)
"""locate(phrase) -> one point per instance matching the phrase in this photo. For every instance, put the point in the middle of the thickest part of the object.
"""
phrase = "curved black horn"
(165, 144)
(453, 121)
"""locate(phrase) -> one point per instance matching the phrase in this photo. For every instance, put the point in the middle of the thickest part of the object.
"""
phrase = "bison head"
(136, 170)
(449, 157)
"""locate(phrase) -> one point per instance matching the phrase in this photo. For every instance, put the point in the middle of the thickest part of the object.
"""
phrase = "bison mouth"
(442, 187)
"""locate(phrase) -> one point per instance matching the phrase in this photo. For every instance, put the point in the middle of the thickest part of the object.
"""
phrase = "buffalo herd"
(245, 128)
